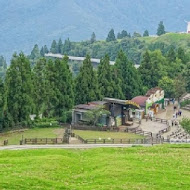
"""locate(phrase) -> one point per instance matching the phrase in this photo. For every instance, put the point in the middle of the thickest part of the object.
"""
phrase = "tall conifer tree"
(19, 90)
(86, 84)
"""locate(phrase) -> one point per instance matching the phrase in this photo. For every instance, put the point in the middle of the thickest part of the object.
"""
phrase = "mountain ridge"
(25, 23)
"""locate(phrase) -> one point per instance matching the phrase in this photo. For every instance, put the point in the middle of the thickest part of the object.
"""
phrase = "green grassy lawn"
(106, 134)
(14, 138)
(137, 168)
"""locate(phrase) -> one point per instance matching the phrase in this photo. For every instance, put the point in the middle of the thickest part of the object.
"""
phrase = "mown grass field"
(165, 167)
(106, 134)
(14, 138)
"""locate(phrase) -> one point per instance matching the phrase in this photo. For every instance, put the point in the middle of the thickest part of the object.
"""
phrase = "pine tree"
(35, 53)
(146, 33)
(86, 84)
(93, 38)
(161, 29)
(54, 48)
(19, 88)
(105, 77)
(111, 36)
(131, 83)
(60, 46)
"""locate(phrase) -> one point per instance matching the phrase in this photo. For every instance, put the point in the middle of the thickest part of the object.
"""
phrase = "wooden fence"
(165, 121)
(42, 141)
(124, 141)
(139, 132)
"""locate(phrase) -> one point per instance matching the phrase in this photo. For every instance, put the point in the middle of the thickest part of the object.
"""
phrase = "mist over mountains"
(25, 23)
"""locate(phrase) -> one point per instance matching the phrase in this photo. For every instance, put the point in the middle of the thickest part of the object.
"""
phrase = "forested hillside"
(134, 47)
(24, 23)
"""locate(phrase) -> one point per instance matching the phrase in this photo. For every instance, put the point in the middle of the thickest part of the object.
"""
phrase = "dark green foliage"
(123, 34)
(152, 69)
(146, 33)
(167, 84)
(111, 36)
(182, 55)
(59, 46)
(18, 83)
(187, 76)
(35, 53)
(42, 53)
(93, 38)
(86, 84)
(39, 81)
(63, 83)
(179, 86)
(131, 83)
(105, 78)
(161, 29)
(3, 67)
(54, 48)
(185, 123)
(66, 47)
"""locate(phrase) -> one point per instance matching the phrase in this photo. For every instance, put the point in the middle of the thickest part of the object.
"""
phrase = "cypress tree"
(46, 49)
(93, 38)
(86, 84)
(64, 92)
(39, 81)
(105, 78)
(42, 53)
(111, 36)
(131, 83)
(161, 29)
(35, 53)
(19, 88)
(54, 48)
(60, 46)
(146, 33)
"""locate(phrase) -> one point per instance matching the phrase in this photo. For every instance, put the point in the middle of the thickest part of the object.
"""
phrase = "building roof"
(152, 91)
(141, 100)
(90, 105)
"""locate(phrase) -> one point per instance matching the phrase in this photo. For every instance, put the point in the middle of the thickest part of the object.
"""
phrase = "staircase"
(187, 107)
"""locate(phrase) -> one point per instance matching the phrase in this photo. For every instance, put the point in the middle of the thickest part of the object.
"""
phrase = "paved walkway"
(69, 146)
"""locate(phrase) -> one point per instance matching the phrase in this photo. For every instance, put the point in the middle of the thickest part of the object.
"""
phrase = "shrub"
(185, 102)
(185, 123)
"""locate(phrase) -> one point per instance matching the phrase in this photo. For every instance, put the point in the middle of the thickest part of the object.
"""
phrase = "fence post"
(56, 141)
(95, 141)
(104, 141)
(121, 141)
(113, 141)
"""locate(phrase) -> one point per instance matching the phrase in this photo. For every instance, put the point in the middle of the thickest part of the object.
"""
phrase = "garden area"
(158, 167)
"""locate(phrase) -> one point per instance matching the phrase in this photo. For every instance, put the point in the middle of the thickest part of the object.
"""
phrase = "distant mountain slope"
(25, 22)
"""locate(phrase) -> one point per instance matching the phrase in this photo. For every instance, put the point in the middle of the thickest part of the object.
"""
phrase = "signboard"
(132, 103)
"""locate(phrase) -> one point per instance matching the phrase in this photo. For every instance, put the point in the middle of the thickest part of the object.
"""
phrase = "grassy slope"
(14, 138)
(158, 168)
(182, 40)
(105, 135)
